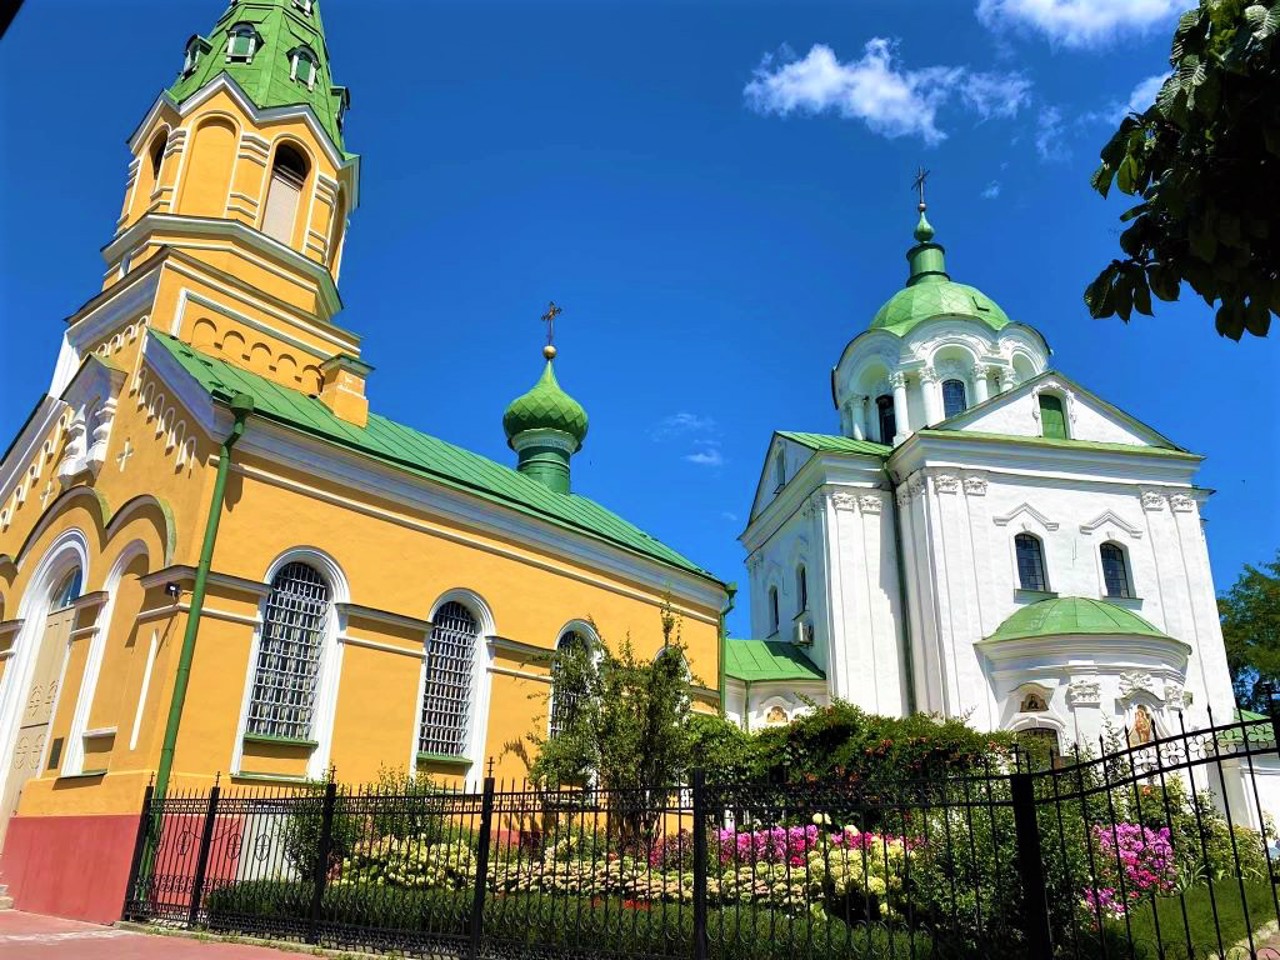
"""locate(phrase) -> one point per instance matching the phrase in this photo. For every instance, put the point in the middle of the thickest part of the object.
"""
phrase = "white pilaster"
(932, 395)
(981, 383)
(899, 383)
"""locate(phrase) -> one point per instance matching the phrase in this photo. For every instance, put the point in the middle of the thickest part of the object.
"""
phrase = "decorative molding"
(1031, 511)
(419, 654)
(1112, 518)
(946, 483)
(897, 380)
(844, 501)
(928, 375)
(1176, 695)
(374, 615)
(871, 504)
(902, 495)
(1152, 501)
(975, 486)
(1084, 692)
(1133, 683)
(1181, 503)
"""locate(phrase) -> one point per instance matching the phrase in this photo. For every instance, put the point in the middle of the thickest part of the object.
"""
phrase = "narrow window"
(68, 591)
(802, 589)
(1030, 562)
(779, 471)
(773, 610)
(242, 40)
(303, 5)
(953, 397)
(288, 669)
(288, 174)
(446, 695)
(304, 67)
(888, 421)
(191, 60)
(157, 156)
(1053, 423)
(568, 686)
(1115, 571)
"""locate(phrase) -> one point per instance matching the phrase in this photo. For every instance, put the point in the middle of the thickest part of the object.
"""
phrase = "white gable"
(781, 464)
(1017, 414)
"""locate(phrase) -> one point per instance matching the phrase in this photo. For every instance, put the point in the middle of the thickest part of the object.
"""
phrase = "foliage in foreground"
(1250, 613)
(1203, 160)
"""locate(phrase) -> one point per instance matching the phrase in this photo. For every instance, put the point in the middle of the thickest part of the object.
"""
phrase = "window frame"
(1126, 574)
(240, 30)
(775, 614)
(583, 632)
(1060, 415)
(885, 413)
(478, 719)
(954, 382)
(296, 56)
(1026, 536)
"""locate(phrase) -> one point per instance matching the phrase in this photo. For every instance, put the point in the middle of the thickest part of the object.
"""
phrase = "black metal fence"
(1156, 850)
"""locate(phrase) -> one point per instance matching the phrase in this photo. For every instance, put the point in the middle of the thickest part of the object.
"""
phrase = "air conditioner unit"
(804, 634)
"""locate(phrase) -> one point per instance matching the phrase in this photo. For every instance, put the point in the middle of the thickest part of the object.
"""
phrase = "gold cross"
(549, 318)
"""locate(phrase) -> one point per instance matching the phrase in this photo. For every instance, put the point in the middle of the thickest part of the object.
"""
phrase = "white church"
(983, 539)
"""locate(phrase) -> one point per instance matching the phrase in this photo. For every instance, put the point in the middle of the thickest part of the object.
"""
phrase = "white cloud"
(682, 424)
(1079, 23)
(708, 456)
(1049, 133)
(729, 515)
(1142, 97)
(876, 89)
(991, 190)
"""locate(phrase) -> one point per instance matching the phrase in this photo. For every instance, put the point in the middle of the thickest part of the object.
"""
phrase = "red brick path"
(29, 936)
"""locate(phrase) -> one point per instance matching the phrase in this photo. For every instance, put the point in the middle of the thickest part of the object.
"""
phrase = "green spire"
(276, 51)
(927, 259)
(546, 427)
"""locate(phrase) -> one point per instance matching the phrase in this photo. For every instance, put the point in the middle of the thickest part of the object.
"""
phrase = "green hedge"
(400, 917)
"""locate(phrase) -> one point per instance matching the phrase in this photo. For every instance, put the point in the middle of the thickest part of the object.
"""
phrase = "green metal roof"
(753, 660)
(419, 453)
(1258, 734)
(930, 292)
(546, 407)
(829, 443)
(282, 26)
(1073, 616)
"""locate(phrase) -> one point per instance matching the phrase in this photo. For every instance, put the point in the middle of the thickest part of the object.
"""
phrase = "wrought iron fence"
(1160, 849)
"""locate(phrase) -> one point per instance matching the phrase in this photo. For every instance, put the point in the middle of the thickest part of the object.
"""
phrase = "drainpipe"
(732, 590)
(241, 407)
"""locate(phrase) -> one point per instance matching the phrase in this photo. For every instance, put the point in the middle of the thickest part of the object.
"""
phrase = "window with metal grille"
(288, 668)
(567, 692)
(1115, 571)
(446, 696)
(1030, 562)
(953, 397)
(888, 421)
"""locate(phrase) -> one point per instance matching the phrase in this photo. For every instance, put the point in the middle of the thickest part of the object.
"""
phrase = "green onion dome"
(546, 407)
(930, 292)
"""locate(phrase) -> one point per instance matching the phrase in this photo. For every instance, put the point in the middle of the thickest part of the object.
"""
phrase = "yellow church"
(216, 559)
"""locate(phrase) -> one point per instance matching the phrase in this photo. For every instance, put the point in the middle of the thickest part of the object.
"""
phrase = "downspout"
(732, 590)
(241, 407)
(907, 656)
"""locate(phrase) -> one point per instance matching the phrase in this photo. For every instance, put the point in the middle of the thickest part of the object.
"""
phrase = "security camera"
(173, 590)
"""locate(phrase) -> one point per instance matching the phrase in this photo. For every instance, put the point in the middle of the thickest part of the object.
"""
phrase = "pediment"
(1112, 519)
(1026, 510)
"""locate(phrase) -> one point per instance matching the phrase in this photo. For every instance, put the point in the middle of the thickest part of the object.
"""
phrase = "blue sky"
(716, 193)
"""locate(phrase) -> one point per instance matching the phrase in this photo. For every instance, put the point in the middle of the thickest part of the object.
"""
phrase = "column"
(856, 408)
(898, 381)
(1006, 379)
(981, 382)
(932, 395)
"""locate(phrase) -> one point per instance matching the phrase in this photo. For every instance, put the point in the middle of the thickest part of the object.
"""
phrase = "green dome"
(546, 407)
(930, 292)
(1074, 616)
(936, 298)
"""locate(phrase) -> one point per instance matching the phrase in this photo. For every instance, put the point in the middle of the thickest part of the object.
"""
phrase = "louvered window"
(288, 668)
(1053, 422)
(446, 697)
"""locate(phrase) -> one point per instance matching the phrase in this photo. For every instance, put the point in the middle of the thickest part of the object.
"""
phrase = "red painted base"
(74, 867)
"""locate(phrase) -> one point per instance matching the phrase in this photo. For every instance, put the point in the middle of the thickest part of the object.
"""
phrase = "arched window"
(157, 156)
(288, 174)
(1053, 422)
(773, 610)
(568, 681)
(1115, 571)
(303, 66)
(288, 669)
(1046, 736)
(887, 419)
(953, 398)
(802, 590)
(1030, 552)
(446, 693)
(191, 56)
(68, 591)
(242, 41)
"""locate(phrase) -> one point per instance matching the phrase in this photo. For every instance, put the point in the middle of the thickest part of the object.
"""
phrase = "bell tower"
(236, 207)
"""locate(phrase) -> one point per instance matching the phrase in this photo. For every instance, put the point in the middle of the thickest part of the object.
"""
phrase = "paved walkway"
(28, 936)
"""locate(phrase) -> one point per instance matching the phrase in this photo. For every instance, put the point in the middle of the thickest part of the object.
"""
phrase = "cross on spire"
(549, 318)
(918, 184)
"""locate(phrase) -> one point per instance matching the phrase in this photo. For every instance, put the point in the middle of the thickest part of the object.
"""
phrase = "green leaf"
(1135, 211)
(1123, 293)
(1164, 282)
(1101, 179)
(1257, 318)
(1126, 175)
(1230, 319)
(1204, 245)
(1097, 296)
(1141, 295)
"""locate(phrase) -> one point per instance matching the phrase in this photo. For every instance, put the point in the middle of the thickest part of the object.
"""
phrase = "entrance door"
(37, 713)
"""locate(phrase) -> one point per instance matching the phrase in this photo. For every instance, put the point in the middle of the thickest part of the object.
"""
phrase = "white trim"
(189, 296)
(539, 677)
(384, 647)
(1110, 516)
(1030, 511)
(330, 670)
(25, 445)
(144, 690)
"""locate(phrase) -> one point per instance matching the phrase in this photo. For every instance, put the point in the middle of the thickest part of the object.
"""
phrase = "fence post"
(699, 864)
(140, 845)
(323, 849)
(482, 866)
(202, 858)
(1031, 865)
(1273, 710)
